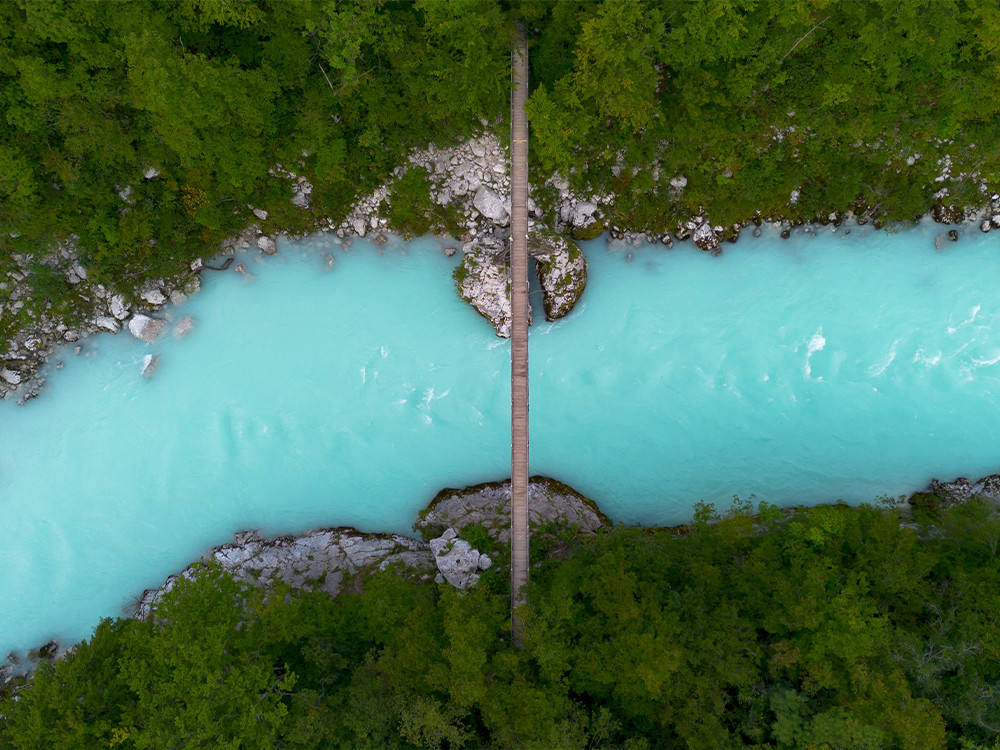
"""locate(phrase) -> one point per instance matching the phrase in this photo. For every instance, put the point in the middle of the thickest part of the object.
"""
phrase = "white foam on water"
(883, 365)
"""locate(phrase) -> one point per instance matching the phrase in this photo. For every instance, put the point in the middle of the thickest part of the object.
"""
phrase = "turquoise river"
(800, 371)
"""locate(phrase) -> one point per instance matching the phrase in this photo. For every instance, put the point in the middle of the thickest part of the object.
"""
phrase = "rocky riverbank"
(469, 180)
(327, 560)
(334, 560)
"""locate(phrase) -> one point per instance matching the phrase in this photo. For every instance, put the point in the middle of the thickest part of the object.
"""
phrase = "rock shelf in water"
(322, 559)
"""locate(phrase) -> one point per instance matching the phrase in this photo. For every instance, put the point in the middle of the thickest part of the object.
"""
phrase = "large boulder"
(582, 213)
(457, 561)
(562, 273)
(118, 307)
(483, 280)
(146, 328)
(490, 205)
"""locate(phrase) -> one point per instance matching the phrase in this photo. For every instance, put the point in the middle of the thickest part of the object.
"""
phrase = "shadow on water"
(535, 293)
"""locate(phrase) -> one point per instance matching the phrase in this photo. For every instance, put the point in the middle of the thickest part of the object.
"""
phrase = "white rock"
(149, 363)
(154, 296)
(456, 560)
(582, 214)
(10, 376)
(146, 328)
(359, 225)
(679, 183)
(118, 307)
(489, 204)
(107, 324)
(150, 173)
(267, 245)
(197, 264)
(261, 214)
(485, 563)
(303, 193)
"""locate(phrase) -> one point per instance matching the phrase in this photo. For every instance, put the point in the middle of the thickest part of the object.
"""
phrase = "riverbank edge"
(468, 187)
(450, 523)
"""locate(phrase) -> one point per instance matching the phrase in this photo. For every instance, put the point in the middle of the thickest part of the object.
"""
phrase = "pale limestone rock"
(153, 296)
(483, 280)
(582, 213)
(315, 561)
(562, 273)
(456, 560)
(118, 307)
(107, 324)
(490, 205)
(146, 328)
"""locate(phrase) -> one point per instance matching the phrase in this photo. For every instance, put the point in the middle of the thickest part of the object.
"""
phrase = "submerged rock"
(184, 327)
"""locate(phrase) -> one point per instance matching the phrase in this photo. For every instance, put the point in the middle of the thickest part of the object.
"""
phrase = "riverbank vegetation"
(832, 627)
(146, 132)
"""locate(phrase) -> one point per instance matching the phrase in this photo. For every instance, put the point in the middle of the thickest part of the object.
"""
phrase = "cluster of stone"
(488, 505)
(315, 561)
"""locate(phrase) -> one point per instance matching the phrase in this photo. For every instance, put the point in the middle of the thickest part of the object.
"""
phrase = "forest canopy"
(833, 627)
(849, 104)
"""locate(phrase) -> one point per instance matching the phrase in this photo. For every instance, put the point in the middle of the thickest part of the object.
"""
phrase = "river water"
(799, 371)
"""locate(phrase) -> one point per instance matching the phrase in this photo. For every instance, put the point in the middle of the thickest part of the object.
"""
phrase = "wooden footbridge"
(519, 331)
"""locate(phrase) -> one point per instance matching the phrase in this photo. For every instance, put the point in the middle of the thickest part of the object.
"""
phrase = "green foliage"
(412, 211)
(834, 627)
(850, 103)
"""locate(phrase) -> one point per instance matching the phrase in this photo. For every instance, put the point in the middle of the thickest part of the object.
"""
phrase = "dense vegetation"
(835, 627)
(852, 103)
